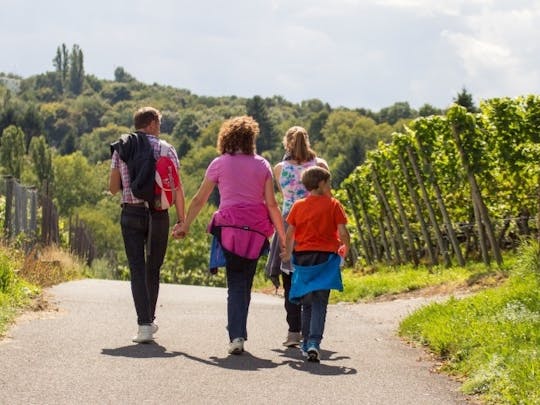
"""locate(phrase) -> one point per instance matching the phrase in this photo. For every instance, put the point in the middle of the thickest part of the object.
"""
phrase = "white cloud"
(358, 53)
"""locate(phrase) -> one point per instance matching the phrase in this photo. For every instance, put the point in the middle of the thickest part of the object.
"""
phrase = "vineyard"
(451, 188)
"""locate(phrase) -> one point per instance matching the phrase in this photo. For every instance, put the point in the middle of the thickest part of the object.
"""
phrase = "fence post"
(9, 206)
(33, 210)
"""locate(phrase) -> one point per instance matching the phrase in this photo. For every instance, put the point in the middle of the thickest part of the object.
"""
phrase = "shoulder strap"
(163, 148)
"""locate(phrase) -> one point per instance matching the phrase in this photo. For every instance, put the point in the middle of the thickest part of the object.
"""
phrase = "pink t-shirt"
(240, 178)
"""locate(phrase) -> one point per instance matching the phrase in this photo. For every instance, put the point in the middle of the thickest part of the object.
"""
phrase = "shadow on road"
(244, 362)
(322, 368)
(140, 351)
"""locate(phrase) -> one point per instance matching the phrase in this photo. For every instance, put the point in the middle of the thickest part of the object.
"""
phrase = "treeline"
(59, 125)
(451, 187)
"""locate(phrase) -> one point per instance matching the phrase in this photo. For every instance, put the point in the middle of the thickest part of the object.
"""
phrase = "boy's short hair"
(312, 176)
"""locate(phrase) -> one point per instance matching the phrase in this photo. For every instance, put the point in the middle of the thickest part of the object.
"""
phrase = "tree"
(31, 123)
(41, 156)
(61, 65)
(120, 75)
(12, 150)
(76, 70)
(465, 99)
(396, 112)
(187, 127)
(427, 109)
(267, 139)
(76, 183)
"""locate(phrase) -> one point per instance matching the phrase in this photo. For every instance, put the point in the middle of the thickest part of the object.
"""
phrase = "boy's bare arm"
(344, 237)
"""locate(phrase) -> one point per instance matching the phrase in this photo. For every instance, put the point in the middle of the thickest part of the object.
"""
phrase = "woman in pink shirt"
(244, 180)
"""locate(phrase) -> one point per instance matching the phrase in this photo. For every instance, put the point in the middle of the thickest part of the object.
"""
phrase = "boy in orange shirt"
(318, 233)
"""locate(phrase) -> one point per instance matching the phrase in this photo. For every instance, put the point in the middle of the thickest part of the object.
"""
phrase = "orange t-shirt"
(316, 219)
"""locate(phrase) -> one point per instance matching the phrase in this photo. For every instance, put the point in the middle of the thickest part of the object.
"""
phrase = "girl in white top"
(287, 174)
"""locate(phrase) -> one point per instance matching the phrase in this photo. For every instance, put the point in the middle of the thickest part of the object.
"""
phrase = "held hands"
(180, 230)
(284, 255)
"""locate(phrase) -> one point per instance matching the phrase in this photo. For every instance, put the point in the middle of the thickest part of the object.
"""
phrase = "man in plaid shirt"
(140, 225)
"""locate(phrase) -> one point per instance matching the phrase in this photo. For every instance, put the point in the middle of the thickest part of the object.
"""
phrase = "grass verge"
(22, 278)
(492, 339)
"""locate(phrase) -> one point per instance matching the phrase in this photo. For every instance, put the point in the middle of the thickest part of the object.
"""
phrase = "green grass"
(396, 280)
(15, 293)
(491, 339)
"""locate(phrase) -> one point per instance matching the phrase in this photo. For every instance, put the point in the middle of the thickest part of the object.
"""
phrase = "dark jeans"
(294, 311)
(144, 266)
(314, 304)
(240, 273)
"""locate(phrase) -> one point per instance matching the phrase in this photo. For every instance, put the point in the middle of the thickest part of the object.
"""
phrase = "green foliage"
(76, 182)
(103, 220)
(186, 261)
(11, 150)
(96, 145)
(395, 280)
(465, 99)
(41, 156)
(14, 292)
(491, 338)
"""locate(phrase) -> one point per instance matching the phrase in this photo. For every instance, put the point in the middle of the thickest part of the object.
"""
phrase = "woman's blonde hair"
(296, 144)
(238, 134)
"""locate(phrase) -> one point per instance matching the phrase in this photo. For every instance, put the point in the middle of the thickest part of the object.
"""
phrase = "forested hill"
(75, 110)
(61, 123)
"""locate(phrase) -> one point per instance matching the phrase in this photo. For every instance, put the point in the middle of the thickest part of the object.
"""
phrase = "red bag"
(166, 183)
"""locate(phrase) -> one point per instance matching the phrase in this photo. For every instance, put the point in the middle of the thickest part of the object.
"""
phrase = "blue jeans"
(240, 273)
(314, 307)
(144, 265)
(315, 303)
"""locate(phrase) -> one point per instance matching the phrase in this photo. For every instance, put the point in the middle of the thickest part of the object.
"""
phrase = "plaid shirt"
(117, 163)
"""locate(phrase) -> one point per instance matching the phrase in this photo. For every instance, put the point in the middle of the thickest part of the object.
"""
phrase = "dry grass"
(50, 266)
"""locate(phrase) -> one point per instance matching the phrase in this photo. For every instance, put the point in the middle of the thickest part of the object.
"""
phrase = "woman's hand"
(180, 230)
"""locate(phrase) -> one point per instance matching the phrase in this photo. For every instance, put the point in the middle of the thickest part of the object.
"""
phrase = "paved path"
(81, 353)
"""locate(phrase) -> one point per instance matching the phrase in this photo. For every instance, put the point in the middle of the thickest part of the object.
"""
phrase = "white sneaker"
(154, 327)
(236, 346)
(293, 339)
(145, 333)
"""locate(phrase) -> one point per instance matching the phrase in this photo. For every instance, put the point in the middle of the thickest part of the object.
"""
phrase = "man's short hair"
(144, 117)
(312, 176)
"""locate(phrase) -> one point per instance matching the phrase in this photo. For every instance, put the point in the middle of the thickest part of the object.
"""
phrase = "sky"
(352, 53)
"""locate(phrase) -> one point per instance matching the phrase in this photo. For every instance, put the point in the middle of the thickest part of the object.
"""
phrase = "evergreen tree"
(465, 99)
(267, 139)
(76, 70)
(61, 66)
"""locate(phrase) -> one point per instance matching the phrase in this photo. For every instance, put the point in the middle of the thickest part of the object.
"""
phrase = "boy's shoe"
(293, 339)
(313, 352)
(145, 334)
(236, 346)
(303, 349)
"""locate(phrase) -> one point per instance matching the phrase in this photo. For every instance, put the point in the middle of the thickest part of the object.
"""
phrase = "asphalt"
(80, 352)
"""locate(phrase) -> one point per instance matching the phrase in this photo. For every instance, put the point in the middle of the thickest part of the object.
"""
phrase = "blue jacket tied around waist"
(324, 276)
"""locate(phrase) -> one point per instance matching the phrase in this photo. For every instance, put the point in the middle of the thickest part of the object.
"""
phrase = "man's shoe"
(145, 334)
(293, 339)
(236, 346)
(313, 352)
